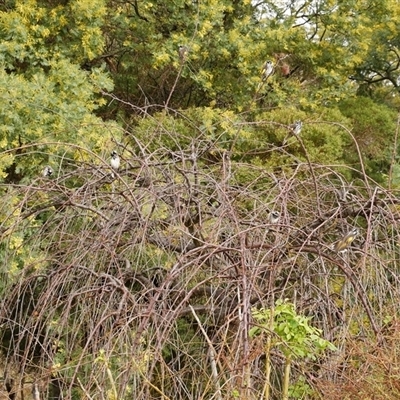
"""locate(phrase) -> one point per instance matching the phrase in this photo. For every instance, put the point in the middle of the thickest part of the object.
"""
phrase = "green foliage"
(396, 176)
(49, 98)
(291, 333)
(34, 34)
(301, 389)
(374, 127)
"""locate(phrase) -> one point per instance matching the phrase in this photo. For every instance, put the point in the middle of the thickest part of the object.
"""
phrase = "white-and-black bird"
(115, 160)
(47, 171)
(344, 243)
(35, 391)
(343, 194)
(183, 52)
(267, 70)
(296, 127)
(274, 217)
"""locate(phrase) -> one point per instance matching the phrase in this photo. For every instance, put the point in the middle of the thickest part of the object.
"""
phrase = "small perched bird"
(183, 52)
(267, 70)
(274, 217)
(343, 194)
(35, 391)
(47, 171)
(285, 70)
(115, 160)
(343, 244)
(296, 127)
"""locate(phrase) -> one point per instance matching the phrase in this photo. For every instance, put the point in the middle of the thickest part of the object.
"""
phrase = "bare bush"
(141, 282)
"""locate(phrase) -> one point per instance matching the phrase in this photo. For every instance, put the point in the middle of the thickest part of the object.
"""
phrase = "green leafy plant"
(291, 334)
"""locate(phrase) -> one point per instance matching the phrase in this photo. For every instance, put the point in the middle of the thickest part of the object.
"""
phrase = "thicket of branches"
(146, 282)
(142, 280)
